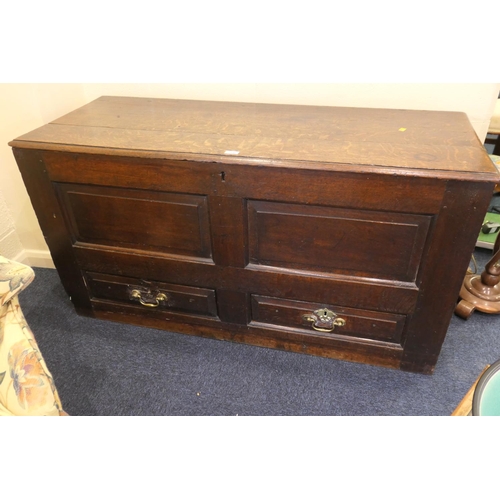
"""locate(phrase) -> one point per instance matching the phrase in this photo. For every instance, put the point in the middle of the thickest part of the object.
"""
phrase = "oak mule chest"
(339, 232)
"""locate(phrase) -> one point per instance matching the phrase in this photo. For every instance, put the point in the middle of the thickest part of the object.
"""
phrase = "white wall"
(475, 99)
(24, 107)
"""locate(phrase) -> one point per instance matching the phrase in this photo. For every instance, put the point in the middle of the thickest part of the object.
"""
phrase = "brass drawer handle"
(324, 320)
(160, 297)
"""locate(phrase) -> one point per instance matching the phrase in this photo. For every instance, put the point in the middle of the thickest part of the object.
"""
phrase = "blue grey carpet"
(106, 368)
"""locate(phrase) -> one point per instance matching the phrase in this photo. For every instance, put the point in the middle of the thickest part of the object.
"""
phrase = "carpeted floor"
(105, 368)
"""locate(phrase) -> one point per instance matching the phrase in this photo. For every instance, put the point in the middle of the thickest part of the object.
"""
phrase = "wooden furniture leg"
(481, 292)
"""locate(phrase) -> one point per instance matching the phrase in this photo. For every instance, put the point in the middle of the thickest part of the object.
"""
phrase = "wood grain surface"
(205, 130)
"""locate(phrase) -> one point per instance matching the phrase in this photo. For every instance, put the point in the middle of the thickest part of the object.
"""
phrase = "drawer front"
(336, 241)
(152, 296)
(348, 322)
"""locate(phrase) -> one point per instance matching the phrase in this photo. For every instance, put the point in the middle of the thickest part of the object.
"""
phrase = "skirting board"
(35, 258)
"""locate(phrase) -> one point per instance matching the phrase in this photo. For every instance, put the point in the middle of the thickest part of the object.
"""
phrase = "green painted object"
(486, 399)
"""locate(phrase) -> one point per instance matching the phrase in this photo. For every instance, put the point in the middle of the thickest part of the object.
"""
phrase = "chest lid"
(437, 143)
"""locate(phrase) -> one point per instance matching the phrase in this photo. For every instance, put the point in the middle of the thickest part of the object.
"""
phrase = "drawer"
(348, 322)
(152, 296)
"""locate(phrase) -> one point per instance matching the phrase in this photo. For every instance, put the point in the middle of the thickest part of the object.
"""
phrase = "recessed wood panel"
(331, 240)
(170, 223)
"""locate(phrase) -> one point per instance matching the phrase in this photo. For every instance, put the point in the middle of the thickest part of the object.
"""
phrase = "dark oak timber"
(337, 232)
(51, 220)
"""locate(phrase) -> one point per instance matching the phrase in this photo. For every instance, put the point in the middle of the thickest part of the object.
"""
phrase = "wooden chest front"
(330, 231)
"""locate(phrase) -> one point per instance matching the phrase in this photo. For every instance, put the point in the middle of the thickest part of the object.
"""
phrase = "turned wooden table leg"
(481, 292)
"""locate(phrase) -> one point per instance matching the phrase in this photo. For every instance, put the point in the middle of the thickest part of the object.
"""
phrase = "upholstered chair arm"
(14, 277)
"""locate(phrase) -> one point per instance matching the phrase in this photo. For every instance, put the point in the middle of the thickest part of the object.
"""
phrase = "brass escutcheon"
(324, 320)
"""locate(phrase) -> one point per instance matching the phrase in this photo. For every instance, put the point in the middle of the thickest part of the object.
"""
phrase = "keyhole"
(223, 176)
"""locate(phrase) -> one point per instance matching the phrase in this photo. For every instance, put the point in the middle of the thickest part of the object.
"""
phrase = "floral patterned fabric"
(26, 385)
(14, 277)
